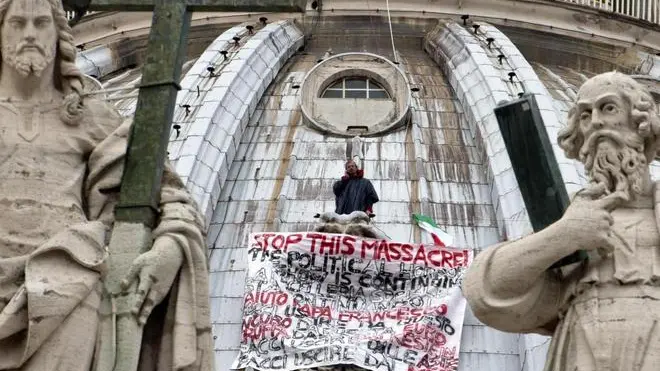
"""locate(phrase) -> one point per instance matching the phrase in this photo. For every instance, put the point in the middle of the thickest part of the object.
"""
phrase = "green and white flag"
(440, 237)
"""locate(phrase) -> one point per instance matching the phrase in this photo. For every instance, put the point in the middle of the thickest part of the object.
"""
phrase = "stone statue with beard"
(603, 313)
(61, 164)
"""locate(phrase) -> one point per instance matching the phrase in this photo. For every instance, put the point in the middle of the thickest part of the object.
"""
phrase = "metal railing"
(71, 15)
(646, 10)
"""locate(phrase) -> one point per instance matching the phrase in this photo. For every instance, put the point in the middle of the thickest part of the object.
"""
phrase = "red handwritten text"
(260, 326)
(267, 298)
(398, 314)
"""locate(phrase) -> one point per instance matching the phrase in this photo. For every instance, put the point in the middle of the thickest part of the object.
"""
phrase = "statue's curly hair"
(68, 77)
(644, 115)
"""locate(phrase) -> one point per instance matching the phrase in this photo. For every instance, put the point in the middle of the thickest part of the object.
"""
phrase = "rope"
(389, 20)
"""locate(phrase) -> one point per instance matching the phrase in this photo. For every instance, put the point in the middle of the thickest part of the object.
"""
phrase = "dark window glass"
(355, 94)
(375, 85)
(356, 83)
(332, 94)
(356, 87)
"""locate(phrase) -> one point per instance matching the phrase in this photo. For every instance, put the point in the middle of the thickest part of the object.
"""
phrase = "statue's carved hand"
(155, 271)
(587, 223)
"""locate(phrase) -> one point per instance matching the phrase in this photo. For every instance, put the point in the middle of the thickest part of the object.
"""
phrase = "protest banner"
(315, 299)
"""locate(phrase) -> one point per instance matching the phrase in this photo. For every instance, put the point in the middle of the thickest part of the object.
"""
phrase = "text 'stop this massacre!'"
(315, 299)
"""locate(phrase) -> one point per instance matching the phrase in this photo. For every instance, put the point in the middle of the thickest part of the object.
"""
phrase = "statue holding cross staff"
(62, 157)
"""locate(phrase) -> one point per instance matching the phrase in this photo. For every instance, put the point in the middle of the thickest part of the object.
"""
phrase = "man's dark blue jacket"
(354, 194)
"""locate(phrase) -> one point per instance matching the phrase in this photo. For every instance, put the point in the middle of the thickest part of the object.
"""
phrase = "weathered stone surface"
(602, 312)
(356, 223)
(61, 164)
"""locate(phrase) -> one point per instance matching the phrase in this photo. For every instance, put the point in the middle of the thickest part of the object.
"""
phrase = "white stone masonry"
(214, 105)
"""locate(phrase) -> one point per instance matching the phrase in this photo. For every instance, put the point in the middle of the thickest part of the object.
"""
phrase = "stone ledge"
(556, 17)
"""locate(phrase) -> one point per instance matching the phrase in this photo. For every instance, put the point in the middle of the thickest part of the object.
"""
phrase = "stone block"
(209, 154)
(184, 165)
(191, 145)
(199, 127)
(216, 94)
(201, 174)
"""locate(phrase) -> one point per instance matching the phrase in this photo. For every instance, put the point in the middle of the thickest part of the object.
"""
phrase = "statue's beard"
(28, 62)
(616, 164)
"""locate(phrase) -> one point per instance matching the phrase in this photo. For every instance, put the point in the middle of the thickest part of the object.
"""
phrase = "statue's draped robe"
(603, 315)
(58, 188)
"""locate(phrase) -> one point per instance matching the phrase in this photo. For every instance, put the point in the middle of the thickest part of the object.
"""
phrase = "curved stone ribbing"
(480, 85)
(215, 104)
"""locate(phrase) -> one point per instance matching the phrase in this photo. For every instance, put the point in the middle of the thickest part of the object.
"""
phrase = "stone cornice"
(550, 16)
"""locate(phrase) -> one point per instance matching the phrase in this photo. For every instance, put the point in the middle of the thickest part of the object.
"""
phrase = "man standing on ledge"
(353, 192)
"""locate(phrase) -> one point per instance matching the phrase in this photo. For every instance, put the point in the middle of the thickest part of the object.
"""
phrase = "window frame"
(370, 86)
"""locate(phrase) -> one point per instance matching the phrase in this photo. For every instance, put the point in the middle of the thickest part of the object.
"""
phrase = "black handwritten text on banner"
(315, 299)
